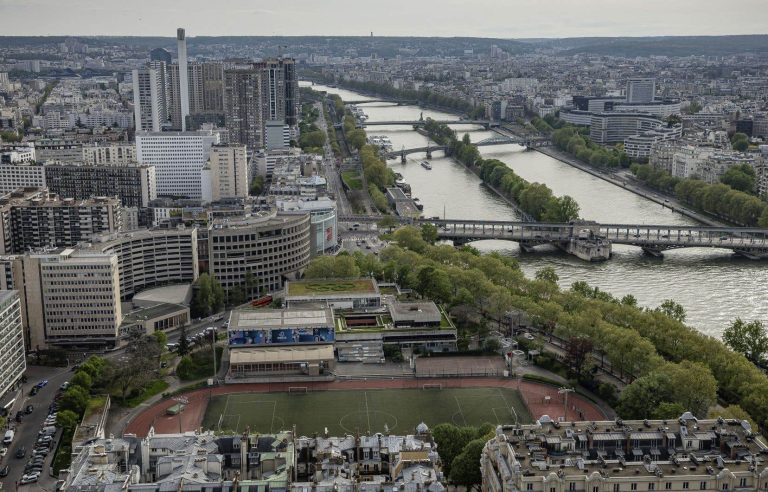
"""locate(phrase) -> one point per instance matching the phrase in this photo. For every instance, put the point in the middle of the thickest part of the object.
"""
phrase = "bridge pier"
(402, 158)
(429, 153)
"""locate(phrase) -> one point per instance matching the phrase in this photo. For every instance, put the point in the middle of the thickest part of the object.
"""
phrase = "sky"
(477, 18)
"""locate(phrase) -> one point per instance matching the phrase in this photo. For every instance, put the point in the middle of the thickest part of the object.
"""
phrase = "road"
(332, 175)
(26, 431)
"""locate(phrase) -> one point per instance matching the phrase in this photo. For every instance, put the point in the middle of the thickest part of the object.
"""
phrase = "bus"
(262, 301)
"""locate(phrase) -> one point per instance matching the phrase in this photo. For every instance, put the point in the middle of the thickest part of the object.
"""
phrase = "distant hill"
(664, 45)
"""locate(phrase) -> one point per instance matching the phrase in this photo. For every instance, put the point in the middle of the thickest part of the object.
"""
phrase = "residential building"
(178, 158)
(277, 135)
(71, 298)
(639, 146)
(226, 174)
(32, 219)
(55, 149)
(12, 360)
(269, 246)
(23, 175)
(16, 154)
(150, 97)
(109, 155)
(135, 185)
(677, 455)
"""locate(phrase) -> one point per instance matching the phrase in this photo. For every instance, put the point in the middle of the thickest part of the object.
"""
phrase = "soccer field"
(364, 411)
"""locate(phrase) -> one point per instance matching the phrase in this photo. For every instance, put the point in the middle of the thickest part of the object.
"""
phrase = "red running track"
(534, 394)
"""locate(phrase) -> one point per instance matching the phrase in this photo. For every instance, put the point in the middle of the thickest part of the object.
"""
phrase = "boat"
(426, 165)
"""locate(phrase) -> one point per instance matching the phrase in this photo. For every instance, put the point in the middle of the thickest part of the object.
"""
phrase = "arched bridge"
(497, 140)
(592, 241)
(485, 123)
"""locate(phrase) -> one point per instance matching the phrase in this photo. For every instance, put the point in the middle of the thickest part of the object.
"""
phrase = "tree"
(74, 399)
(749, 339)
(257, 185)
(82, 379)
(740, 141)
(547, 274)
(465, 468)
(183, 348)
(561, 210)
(578, 355)
(739, 179)
(673, 310)
(185, 367)
(388, 222)
(67, 420)
(429, 233)
(450, 441)
(341, 266)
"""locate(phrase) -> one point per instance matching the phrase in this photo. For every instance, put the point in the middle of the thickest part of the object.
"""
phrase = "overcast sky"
(481, 18)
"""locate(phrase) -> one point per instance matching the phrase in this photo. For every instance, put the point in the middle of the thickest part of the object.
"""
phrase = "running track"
(579, 408)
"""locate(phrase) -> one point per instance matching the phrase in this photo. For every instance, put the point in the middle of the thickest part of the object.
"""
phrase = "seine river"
(713, 285)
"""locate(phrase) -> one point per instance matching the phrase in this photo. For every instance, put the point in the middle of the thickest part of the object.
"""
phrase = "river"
(713, 285)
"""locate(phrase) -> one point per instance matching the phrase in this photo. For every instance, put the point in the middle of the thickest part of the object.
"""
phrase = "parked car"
(21, 452)
(31, 478)
(3, 452)
(29, 409)
(4, 471)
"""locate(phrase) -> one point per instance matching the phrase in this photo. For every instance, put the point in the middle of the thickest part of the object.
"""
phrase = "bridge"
(485, 123)
(398, 101)
(592, 241)
(497, 140)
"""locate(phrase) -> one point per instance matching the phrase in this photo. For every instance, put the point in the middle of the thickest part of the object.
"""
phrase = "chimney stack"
(181, 41)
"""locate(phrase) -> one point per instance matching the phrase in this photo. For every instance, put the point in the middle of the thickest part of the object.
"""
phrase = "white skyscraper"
(149, 98)
(181, 42)
(178, 158)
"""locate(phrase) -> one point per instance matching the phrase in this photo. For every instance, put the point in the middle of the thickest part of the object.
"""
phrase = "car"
(4, 471)
(64, 386)
(29, 409)
(21, 452)
(75, 367)
(34, 390)
(31, 478)
(3, 452)
(43, 383)
(528, 336)
(723, 238)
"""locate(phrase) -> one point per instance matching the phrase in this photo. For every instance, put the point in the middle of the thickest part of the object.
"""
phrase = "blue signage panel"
(282, 336)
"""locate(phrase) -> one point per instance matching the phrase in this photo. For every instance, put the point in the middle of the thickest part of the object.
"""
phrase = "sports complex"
(360, 406)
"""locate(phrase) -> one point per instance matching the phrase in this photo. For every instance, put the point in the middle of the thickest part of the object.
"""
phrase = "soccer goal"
(432, 386)
(297, 389)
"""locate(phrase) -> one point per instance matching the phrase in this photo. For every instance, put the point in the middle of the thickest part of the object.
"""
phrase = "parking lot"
(27, 432)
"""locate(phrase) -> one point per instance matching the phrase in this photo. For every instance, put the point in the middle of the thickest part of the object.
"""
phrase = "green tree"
(185, 367)
(547, 274)
(75, 399)
(629, 300)
(256, 186)
(749, 339)
(388, 222)
(465, 468)
(429, 233)
(183, 348)
(740, 141)
(740, 179)
(82, 379)
(341, 266)
(451, 440)
(161, 338)
(67, 420)
(673, 310)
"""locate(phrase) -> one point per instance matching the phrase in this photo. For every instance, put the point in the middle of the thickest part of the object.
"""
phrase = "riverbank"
(616, 180)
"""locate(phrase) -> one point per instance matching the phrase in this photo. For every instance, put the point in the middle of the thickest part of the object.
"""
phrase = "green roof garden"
(324, 287)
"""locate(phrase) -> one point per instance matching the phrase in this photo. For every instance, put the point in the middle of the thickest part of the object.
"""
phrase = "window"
(668, 486)
(651, 486)
(742, 482)
(685, 485)
(702, 485)
(633, 486)
(725, 486)
(595, 489)
(615, 487)
(529, 486)
(572, 486)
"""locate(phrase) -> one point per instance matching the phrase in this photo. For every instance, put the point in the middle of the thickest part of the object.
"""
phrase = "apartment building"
(150, 97)
(178, 158)
(133, 184)
(270, 246)
(71, 298)
(31, 219)
(21, 175)
(12, 360)
(226, 174)
(109, 155)
(676, 455)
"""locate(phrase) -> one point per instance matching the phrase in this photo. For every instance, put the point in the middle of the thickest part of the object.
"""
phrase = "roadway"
(332, 175)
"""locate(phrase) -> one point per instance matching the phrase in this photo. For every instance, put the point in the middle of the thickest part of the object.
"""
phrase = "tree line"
(717, 199)
(536, 200)
(667, 363)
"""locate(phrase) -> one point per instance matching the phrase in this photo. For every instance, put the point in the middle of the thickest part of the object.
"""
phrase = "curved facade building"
(151, 258)
(270, 246)
(608, 128)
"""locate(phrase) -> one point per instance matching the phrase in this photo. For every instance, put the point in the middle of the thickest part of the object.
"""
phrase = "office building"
(178, 158)
(109, 154)
(16, 154)
(271, 247)
(676, 455)
(24, 175)
(71, 298)
(12, 360)
(641, 90)
(277, 135)
(56, 149)
(151, 258)
(608, 128)
(324, 234)
(640, 146)
(33, 219)
(134, 185)
(225, 175)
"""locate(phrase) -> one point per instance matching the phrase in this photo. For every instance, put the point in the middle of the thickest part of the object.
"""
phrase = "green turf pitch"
(400, 410)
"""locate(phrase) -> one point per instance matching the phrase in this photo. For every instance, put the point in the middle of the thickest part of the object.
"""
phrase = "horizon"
(514, 19)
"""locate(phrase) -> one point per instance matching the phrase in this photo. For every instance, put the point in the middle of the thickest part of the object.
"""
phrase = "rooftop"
(331, 287)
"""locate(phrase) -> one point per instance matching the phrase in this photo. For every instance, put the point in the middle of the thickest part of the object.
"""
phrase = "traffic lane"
(27, 430)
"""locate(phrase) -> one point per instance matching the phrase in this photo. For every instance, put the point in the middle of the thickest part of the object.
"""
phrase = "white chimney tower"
(181, 41)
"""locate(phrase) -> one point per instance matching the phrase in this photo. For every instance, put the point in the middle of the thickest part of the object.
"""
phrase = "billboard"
(281, 336)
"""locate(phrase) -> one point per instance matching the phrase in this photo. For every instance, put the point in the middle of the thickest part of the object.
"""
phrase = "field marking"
(237, 426)
(367, 413)
(460, 410)
(226, 405)
(506, 403)
(272, 422)
(493, 409)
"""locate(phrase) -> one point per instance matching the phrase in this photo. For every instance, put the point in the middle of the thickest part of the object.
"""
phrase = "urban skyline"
(483, 18)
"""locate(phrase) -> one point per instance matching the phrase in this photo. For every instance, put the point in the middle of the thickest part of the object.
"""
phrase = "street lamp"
(181, 401)
(565, 391)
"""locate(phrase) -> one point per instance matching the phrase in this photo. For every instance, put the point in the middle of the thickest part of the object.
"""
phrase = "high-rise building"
(181, 43)
(256, 93)
(12, 361)
(150, 97)
(641, 90)
(178, 158)
(22, 175)
(33, 219)
(225, 175)
(161, 55)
